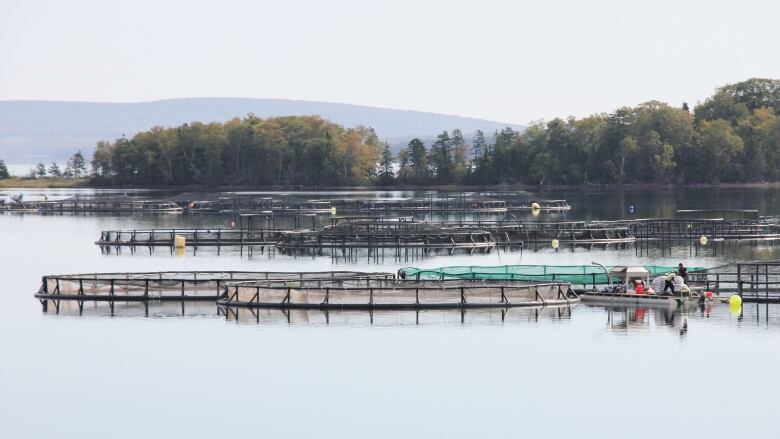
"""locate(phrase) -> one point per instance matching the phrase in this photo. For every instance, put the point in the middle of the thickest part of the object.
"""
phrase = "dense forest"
(731, 137)
(251, 151)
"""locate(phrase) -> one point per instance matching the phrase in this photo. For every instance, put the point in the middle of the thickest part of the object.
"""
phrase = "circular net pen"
(424, 238)
(584, 275)
(192, 237)
(375, 294)
(428, 205)
(168, 285)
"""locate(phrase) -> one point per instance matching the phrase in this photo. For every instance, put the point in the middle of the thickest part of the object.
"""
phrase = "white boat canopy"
(624, 273)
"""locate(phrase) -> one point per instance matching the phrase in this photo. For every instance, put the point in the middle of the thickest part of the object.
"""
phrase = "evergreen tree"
(403, 165)
(54, 170)
(441, 158)
(77, 165)
(459, 156)
(4, 170)
(418, 161)
(386, 174)
(478, 145)
(40, 170)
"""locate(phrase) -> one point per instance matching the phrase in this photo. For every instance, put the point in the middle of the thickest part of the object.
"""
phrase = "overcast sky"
(509, 61)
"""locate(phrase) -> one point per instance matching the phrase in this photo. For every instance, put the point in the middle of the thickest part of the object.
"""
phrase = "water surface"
(192, 371)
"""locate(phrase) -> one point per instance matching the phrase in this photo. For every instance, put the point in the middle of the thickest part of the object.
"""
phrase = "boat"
(620, 290)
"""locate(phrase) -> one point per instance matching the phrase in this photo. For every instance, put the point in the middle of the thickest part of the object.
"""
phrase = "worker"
(669, 282)
(683, 272)
(639, 286)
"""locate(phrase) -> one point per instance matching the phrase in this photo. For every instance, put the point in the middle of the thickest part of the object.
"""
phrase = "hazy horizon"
(513, 63)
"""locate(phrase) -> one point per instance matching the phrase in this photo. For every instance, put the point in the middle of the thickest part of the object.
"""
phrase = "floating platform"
(377, 294)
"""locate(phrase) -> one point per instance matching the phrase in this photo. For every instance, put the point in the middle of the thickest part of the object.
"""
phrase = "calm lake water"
(190, 372)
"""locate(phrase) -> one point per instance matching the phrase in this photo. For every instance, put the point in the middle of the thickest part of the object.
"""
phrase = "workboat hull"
(597, 298)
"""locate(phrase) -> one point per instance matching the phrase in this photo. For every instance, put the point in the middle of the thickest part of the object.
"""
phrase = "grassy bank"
(43, 183)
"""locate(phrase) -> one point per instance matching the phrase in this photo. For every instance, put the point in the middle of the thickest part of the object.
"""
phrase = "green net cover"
(575, 274)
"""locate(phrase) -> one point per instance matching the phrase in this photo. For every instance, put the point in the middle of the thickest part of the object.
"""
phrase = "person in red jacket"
(639, 286)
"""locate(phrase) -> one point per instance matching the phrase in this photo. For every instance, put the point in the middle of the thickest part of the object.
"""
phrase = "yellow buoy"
(535, 206)
(179, 251)
(735, 300)
(179, 241)
(555, 243)
(735, 310)
(332, 210)
(535, 212)
(703, 240)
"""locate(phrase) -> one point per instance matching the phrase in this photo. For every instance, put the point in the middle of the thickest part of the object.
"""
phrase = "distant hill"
(32, 131)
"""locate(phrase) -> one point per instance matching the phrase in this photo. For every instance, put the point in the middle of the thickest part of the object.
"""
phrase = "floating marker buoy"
(735, 300)
(179, 241)
(735, 310)
(703, 240)
(535, 206)
(555, 243)
(535, 212)
(332, 210)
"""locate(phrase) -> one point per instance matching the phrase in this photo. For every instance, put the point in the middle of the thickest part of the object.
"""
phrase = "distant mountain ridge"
(33, 131)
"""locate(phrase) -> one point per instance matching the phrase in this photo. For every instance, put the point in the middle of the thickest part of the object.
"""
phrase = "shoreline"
(45, 183)
(24, 183)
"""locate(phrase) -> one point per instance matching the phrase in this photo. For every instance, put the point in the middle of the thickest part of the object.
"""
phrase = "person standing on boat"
(669, 283)
(683, 272)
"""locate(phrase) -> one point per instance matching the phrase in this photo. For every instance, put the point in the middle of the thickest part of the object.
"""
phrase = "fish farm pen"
(379, 218)
(497, 202)
(584, 275)
(394, 294)
(418, 205)
(717, 229)
(515, 233)
(388, 238)
(521, 200)
(753, 281)
(192, 237)
(565, 233)
(750, 214)
(167, 285)
(96, 205)
(369, 232)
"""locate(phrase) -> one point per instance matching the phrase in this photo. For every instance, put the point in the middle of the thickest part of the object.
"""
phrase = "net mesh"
(575, 274)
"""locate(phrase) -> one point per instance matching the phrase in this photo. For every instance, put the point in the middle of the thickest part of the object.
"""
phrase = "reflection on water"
(618, 319)
(396, 318)
(642, 319)
(274, 317)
